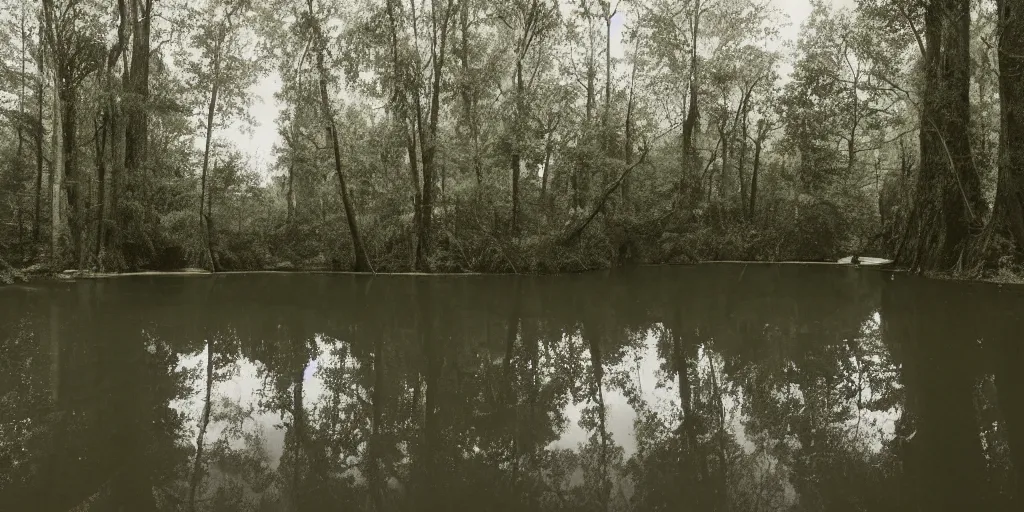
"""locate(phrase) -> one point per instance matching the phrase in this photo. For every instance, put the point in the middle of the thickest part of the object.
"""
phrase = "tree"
(947, 204)
(427, 123)
(1007, 219)
(227, 74)
(318, 41)
(132, 189)
(530, 21)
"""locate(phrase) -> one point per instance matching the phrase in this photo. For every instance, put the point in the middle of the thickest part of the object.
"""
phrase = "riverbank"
(13, 276)
(36, 274)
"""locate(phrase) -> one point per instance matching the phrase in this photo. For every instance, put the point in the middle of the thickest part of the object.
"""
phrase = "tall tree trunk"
(1008, 211)
(548, 148)
(469, 94)
(591, 78)
(110, 114)
(742, 163)
(402, 120)
(40, 91)
(291, 193)
(428, 137)
(137, 82)
(758, 143)
(629, 127)
(606, 116)
(72, 180)
(56, 181)
(362, 262)
(19, 155)
(851, 145)
(725, 136)
(204, 225)
(132, 184)
(948, 202)
(57, 147)
(517, 137)
(689, 157)
(118, 140)
(100, 129)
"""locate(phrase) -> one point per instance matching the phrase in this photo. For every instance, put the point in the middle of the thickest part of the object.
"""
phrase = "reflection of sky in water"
(243, 386)
(644, 366)
(867, 428)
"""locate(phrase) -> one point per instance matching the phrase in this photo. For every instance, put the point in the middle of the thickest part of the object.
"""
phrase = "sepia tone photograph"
(512, 255)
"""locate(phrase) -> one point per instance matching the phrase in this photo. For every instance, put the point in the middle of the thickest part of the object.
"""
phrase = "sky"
(258, 140)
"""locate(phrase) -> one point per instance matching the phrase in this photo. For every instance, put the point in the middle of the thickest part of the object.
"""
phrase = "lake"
(719, 387)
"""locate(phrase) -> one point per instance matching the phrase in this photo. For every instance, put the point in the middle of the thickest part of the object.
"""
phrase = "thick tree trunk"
(118, 141)
(948, 202)
(133, 184)
(689, 157)
(1008, 212)
(137, 82)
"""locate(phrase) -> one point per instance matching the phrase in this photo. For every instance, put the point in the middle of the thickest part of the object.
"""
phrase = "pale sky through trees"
(259, 142)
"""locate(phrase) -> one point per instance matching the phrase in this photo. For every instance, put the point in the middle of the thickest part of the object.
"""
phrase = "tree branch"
(604, 197)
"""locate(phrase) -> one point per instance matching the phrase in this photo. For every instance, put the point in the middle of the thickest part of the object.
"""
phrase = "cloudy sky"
(258, 140)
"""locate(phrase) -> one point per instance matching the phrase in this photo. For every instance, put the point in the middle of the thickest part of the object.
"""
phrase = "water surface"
(707, 388)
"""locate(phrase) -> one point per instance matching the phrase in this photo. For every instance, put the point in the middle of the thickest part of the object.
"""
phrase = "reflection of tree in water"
(91, 444)
(961, 363)
(776, 388)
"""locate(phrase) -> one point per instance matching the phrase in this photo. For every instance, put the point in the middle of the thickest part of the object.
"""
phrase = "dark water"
(721, 387)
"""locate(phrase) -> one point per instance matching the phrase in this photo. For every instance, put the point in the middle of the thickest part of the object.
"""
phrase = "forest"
(510, 136)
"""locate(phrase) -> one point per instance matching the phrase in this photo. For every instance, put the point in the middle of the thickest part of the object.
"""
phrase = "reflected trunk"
(943, 459)
(204, 422)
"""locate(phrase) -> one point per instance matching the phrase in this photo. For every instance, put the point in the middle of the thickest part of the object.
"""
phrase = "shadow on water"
(710, 388)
